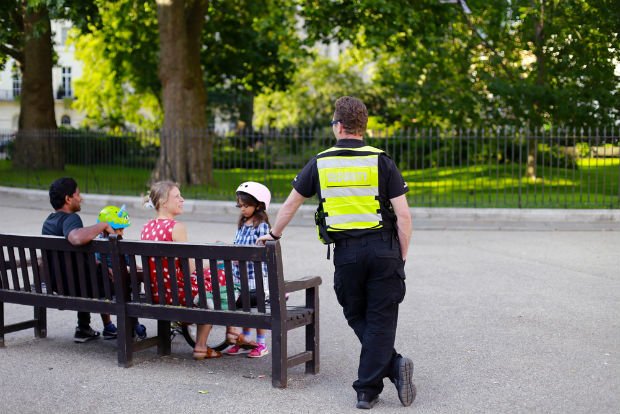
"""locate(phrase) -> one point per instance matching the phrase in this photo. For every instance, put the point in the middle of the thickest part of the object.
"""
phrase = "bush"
(96, 148)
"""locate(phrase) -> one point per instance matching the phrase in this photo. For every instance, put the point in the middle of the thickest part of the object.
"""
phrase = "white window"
(64, 35)
(17, 81)
(67, 92)
(65, 120)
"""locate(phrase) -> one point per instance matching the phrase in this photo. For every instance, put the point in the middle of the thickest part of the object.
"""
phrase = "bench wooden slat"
(46, 271)
(4, 276)
(13, 267)
(23, 264)
(58, 302)
(215, 286)
(69, 272)
(200, 277)
(174, 282)
(36, 276)
(133, 276)
(260, 287)
(193, 250)
(300, 358)
(148, 295)
(232, 305)
(245, 286)
(197, 315)
(82, 273)
(159, 269)
(105, 277)
(92, 274)
(60, 288)
(187, 282)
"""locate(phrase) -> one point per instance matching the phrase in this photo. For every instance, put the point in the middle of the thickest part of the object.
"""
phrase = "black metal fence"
(556, 168)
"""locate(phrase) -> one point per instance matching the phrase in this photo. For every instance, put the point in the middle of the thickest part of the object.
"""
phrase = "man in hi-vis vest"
(363, 211)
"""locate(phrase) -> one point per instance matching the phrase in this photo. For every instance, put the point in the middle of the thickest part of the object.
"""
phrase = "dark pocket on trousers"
(343, 257)
(400, 271)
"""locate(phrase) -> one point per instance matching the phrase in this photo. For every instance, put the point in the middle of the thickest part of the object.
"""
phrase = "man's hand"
(262, 240)
(285, 215)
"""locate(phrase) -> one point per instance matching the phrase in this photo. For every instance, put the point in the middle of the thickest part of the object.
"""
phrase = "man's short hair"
(60, 189)
(353, 115)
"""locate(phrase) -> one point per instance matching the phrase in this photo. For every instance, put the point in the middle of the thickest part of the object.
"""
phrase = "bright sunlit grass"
(594, 184)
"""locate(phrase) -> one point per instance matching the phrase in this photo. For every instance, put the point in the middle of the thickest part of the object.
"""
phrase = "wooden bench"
(31, 265)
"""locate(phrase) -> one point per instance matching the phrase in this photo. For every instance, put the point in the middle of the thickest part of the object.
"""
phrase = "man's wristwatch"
(273, 236)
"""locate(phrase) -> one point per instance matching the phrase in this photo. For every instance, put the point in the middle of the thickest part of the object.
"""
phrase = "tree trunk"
(539, 38)
(186, 147)
(37, 145)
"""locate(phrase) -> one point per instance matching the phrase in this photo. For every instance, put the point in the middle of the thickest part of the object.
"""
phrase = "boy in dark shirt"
(66, 200)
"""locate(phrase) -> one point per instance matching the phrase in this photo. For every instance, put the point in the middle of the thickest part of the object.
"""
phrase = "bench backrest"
(60, 274)
(215, 257)
(39, 263)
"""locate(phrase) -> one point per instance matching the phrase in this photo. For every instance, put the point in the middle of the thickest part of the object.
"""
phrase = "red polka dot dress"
(161, 230)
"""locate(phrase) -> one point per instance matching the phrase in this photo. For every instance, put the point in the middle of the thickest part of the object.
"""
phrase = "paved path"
(495, 321)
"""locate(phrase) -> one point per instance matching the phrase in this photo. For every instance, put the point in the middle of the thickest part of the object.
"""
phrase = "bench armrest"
(301, 284)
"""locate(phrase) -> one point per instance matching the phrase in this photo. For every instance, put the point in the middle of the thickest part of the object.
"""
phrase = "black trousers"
(369, 281)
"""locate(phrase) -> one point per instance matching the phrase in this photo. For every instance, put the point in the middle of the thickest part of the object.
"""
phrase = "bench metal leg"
(124, 341)
(279, 368)
(40, 327)
(1, 322)
(164, 346)
(312, 345)
(312, 332)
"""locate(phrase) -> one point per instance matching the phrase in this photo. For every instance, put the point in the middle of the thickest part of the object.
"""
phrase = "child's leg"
(261, 335)
(245, 335)
(261, 350)
(232, 334)
(106, 319)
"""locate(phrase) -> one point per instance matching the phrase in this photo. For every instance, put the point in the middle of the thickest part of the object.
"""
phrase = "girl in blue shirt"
(253, 199)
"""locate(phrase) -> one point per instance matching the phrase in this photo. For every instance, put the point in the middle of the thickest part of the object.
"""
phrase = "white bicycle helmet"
(256, 190)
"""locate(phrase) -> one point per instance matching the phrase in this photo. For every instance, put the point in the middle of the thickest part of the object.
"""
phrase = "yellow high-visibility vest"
(349, 184)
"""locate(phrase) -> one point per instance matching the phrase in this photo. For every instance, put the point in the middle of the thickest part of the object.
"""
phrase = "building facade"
(66, 70)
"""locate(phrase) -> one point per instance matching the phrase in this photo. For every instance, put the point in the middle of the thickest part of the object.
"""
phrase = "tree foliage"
(521, 62)
(247, 47)
(25, 35)
(119, 85)
(314, 88)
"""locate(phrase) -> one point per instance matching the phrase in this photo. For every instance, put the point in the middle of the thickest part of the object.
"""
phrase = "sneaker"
(85, 335)
(259, 352)
(235, 350)
(110, 331)
(140, 331)
(404, 382)
(365, 401)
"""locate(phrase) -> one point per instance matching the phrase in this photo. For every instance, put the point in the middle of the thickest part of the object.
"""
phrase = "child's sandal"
(242, 343)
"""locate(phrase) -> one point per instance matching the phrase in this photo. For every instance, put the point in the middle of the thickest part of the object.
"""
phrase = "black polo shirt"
(391, 182)
(60, 223)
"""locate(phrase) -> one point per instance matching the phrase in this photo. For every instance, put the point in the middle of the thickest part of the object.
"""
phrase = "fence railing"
(558, 168)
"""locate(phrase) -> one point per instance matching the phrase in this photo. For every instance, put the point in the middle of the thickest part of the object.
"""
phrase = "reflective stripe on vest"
(350, 188)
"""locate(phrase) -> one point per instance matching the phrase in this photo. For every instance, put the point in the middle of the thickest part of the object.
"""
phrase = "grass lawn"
(594, 184)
